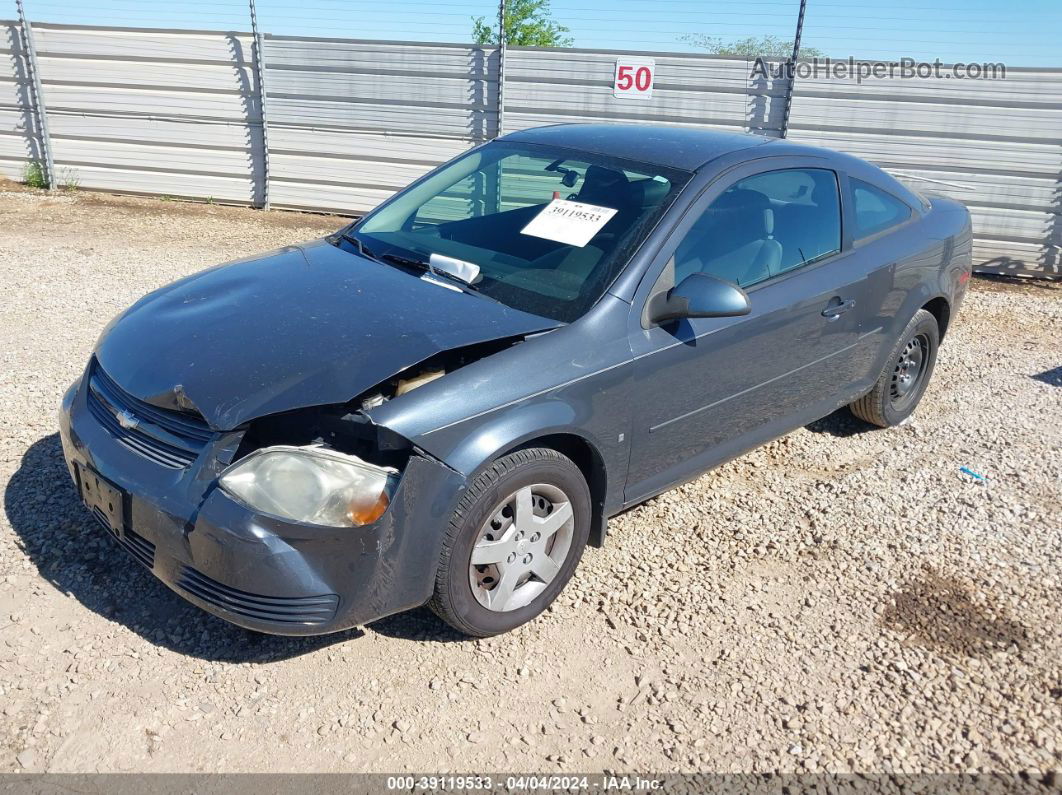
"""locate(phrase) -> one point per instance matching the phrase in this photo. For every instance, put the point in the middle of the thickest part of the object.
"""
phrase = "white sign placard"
(634, 78)
(569, 222)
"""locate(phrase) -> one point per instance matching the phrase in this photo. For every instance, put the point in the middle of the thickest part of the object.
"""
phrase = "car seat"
(602, 186)
(734, 240)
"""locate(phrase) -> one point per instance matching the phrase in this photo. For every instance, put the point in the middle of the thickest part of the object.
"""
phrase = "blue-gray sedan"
(445, 401)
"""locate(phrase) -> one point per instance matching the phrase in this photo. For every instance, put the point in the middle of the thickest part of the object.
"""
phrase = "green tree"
(749, 47)
(528, 23)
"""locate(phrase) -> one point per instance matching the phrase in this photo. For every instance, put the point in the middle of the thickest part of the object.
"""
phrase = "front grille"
(170, 438)
(271, 609)
(142, 550)
(139, 547)
(101, 517)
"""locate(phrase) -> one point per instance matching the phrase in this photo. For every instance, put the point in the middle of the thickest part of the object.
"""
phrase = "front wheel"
(513, 543)
(902, 383)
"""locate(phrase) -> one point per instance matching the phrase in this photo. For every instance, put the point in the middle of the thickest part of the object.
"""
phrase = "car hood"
(306, 325)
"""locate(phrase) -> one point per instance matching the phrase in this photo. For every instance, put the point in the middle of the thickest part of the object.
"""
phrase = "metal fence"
(150, 111)
(349, 121)
(994, 145)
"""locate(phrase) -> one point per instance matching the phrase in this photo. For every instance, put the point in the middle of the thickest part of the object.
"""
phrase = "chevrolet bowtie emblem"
(127, 420)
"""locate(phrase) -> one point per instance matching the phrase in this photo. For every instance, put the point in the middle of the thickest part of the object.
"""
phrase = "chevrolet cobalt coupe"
(445, 401)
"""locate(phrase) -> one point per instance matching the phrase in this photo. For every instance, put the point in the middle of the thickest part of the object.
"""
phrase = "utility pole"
(792, 69)
(501, 68)
(259, 68)
(38, 108)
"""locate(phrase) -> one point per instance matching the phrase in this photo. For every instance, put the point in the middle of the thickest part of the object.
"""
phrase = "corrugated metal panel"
(913, 151)
(994, 144)
(177, 112)
(903, 115)
(153, 130)
(384, 147)
(350, 122)
(166, 183)
(1020, 85)
(298, 195)
(545, 86)
(424, 89)
(19, 142)
(1009, 257)
(144, 45)
(346, 171)
(153, 111)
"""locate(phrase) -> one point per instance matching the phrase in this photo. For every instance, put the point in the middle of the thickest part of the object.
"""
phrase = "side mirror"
(699, 295)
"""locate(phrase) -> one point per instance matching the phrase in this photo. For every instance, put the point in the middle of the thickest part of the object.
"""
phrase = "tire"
(899, 389)
(496, 518)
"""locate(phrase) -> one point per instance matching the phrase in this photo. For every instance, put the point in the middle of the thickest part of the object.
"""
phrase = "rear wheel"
(513, 542)
(902, 383)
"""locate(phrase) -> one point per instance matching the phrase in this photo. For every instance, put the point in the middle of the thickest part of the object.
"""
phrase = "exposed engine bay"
(348, 428)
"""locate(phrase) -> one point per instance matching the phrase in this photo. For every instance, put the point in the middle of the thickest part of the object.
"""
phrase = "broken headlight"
(311, 484)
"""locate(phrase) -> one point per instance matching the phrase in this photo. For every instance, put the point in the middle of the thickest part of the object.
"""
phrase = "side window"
(765, 225)
(875, 209)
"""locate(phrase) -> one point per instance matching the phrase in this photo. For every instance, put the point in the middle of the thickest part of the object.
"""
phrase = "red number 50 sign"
(634, 78)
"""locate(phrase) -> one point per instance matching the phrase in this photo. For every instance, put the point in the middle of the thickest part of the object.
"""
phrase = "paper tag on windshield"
(569, 222)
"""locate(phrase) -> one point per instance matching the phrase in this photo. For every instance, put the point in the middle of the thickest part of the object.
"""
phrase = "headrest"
(600, 184)
(741, 198)
(741, 205)
(646, 193)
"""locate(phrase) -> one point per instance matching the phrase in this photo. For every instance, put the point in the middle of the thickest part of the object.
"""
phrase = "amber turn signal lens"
(364, 512)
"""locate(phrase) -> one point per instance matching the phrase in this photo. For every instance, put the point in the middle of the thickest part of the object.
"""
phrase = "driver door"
(707, 389)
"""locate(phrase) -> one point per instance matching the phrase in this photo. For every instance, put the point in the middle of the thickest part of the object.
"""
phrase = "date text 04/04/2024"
(516, 783)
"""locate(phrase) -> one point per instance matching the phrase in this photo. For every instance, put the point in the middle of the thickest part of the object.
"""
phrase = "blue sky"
(1020, 33)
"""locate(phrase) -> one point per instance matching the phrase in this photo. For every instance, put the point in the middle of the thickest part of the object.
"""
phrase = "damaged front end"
(348, 428)
(304, 522)
(224, 434)
(283, 576)
(324, 504)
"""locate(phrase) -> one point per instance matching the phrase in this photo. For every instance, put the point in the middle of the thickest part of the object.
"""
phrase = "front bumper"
(257, 571)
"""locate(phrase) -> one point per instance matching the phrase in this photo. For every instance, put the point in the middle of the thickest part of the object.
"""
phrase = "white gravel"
(843, 599)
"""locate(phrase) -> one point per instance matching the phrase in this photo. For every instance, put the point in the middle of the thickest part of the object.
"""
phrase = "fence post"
(501, 69)
(37, 97)
(259, 67)
(791, 85)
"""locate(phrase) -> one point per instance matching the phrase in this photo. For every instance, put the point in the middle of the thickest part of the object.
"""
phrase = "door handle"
(837, 307)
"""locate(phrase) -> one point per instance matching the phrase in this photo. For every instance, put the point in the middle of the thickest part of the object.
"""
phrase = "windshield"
(549, 229)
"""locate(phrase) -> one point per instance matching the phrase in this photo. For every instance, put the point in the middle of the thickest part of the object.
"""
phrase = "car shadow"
(842, 424)
(1051, 377)
(71, 552)
(421, 625)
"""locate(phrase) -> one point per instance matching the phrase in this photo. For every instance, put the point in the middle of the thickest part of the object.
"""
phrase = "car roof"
(691, 148)
(686, 148)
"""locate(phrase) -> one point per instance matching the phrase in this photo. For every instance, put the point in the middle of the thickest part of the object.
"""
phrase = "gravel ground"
(843, 599)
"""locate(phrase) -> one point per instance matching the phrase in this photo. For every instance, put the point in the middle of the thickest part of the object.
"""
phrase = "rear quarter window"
(875, 210)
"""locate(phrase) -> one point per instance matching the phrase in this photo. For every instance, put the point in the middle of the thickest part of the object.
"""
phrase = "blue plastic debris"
(974, 475)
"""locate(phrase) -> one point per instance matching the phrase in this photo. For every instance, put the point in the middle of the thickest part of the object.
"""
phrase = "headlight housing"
(316, 485)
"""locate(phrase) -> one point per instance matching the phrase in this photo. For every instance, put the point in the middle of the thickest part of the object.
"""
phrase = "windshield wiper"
(427, 267)
(407, 262)
(418, 264)
(394, 259)
(350, 237)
